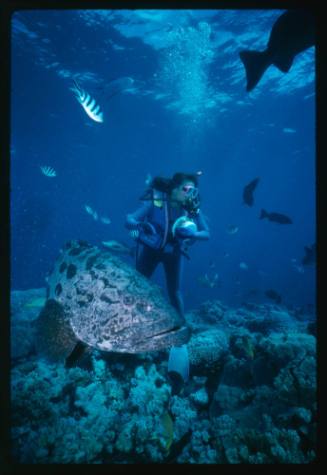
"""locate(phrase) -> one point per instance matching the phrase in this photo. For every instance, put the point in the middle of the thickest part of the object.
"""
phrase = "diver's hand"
(185, 233)
(132, 224)
(147, 228)
(134, 234)
(189, 241)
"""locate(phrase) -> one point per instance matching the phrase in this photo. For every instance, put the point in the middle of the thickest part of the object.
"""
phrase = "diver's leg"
(147, 261)
(178, 362)
(173, 269)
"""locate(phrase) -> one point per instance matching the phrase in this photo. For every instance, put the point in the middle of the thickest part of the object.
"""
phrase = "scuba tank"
(154, 234)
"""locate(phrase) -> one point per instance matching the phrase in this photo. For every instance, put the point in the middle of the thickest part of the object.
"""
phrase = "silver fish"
(91, 211)
(116, 246)
(105, 220)
(243, 266)
(232, 229)
(97, 300)
(210, 282)
(88, 209)
(148, 179)
(88, 103)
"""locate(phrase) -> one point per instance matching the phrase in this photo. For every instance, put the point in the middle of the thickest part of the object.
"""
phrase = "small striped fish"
(48, 171)
(88, 103)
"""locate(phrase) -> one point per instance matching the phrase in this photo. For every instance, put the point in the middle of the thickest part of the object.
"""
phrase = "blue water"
(188, 110)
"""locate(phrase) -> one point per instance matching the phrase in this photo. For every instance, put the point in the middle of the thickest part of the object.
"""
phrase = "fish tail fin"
(255, 63)
(263, 214)
(76, 84)
(77, 90)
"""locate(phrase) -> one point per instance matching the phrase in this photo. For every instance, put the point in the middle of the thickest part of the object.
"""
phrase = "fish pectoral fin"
(75, 355)
(255, 63)
(55, 337)
(283, 63)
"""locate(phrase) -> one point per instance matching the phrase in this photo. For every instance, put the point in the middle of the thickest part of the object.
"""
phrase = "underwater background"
(172, 90)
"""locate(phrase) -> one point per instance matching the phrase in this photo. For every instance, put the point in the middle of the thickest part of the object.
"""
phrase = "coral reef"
(207, 349)
(260, 405)
(76, 416)
(257, 318)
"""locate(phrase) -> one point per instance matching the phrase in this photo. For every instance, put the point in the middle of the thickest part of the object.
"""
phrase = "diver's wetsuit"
(169, 250)
(147, 261)
(172, 250)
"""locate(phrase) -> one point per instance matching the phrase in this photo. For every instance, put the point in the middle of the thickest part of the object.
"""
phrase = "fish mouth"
(171, 331)
(175, 336)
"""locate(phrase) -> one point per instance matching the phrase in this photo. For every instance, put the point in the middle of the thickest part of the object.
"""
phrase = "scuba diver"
(168, 222)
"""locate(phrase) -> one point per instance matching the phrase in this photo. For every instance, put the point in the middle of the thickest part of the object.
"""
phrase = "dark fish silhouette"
(248, 192)
(292, 33)
(273, 295)
(310, 255)
(276, 217)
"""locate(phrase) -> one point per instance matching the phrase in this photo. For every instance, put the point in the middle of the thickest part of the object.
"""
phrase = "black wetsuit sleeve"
(203, 231)
(133, 219)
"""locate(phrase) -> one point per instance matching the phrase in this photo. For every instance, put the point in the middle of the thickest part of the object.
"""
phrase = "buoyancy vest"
(159, 218)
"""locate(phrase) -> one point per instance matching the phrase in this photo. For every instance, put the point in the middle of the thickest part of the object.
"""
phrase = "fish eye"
(143, 307)
(128, 300)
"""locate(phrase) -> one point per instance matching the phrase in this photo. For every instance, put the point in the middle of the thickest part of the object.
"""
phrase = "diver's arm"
(134, 219)
(203, 232)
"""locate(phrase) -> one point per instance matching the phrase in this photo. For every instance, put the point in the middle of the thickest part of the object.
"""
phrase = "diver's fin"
(75, 355)
(55, 338)
(255, 63)
(176, 382)
(178, 363)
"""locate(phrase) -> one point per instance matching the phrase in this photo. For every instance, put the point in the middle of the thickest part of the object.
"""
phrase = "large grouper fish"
(94, 299)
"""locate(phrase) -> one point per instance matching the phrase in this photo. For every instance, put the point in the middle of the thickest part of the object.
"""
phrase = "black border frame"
(7, 8)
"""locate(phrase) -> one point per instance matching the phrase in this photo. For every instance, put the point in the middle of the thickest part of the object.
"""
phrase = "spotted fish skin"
(88, 103)
(107, 304)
